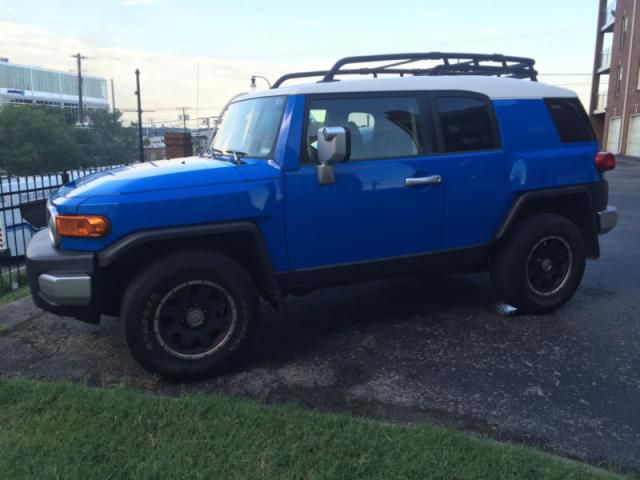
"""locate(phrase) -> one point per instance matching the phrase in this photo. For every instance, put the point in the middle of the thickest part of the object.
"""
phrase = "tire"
(190, 315)
(540, 265)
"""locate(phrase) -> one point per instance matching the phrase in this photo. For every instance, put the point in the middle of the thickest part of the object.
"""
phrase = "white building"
(22, 84)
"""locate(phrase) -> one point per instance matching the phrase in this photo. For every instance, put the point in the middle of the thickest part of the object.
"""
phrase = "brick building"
(615, 94)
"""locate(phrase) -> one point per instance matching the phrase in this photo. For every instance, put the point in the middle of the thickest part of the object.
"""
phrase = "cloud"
(167, 81)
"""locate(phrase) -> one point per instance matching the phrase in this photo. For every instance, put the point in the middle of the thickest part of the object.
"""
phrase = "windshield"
(250, 127)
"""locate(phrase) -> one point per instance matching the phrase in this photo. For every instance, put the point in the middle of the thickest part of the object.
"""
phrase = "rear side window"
(466, 124)
(570, 120)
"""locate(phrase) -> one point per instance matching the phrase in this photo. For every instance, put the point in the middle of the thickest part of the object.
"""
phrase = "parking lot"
(439, 350)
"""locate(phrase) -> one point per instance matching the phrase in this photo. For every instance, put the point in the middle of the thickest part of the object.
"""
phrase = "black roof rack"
(450, 64)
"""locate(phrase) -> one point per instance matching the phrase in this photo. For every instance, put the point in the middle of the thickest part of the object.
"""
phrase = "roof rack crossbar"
(452, 64)
(358, 71)
(396, 64)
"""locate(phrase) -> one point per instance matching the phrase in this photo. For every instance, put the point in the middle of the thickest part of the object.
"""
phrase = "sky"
(198, 54)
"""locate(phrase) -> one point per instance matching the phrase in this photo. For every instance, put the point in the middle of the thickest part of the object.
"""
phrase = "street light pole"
(253, 81)
(140, 142)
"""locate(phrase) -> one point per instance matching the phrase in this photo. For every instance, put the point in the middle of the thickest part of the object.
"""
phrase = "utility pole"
(79, 59)
(113, 96)
(184, 117)
(198, 92)
(141, 145)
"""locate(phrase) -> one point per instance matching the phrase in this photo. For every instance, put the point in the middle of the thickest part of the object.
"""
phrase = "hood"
(172, 174)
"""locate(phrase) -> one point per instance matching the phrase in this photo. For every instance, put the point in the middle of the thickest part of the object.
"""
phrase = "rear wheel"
(190, 315)
(541, 264)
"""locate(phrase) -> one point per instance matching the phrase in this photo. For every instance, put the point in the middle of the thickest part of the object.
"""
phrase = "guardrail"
(22, 214)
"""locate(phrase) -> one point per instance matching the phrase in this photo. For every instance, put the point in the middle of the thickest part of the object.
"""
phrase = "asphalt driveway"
(419, 350)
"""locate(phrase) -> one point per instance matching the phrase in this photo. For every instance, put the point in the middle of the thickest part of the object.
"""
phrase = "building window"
(618, 80)
(623, 33)
(15, 78)
(69, 84)
(44, 81)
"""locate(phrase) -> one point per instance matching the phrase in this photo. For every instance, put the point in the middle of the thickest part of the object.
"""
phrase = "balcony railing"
(605, 60)
(608, 16)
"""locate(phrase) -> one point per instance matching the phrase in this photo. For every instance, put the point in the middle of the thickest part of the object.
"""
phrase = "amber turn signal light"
(86, 226)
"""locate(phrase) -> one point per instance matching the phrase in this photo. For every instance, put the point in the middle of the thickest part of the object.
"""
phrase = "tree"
(35, 140)
(106, 141)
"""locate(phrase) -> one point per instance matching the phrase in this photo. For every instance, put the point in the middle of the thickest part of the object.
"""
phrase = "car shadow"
(308, 319)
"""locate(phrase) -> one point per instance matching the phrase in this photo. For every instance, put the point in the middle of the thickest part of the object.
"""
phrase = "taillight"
(605, 161)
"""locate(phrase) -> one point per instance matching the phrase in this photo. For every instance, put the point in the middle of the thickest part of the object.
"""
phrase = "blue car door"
(387, 200)
(477, 180)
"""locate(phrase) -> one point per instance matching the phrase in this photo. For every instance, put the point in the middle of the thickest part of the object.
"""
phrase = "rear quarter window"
(465, 123)
(570, 119)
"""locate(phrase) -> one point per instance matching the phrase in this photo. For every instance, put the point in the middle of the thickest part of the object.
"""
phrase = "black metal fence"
(22, 214)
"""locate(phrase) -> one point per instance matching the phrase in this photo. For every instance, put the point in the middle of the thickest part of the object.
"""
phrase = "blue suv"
(439, 163)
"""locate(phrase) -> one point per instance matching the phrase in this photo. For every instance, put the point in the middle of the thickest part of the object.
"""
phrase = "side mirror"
(334, 145)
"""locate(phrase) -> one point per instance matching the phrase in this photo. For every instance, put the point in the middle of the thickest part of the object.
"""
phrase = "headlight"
(51, 223)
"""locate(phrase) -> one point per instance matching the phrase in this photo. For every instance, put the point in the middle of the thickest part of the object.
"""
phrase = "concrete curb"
(15, 313)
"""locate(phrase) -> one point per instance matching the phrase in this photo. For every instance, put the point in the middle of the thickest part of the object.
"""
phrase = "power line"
(565, 74)
(573, 84)
(174, 121)
(167, 109)
(453, 42)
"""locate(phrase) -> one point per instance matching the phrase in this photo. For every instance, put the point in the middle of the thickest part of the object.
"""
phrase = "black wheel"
(540, 265)
(189, 315)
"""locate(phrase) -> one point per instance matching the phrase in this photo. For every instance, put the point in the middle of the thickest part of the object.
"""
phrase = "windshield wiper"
(237, 154)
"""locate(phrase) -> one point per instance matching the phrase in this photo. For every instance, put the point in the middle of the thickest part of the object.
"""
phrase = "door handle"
(417, 181)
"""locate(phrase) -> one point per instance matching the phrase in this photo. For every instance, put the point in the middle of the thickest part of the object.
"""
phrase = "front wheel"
(540, 265)
(190, 314)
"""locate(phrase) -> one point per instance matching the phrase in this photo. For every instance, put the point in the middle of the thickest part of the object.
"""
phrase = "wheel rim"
(549, 265)
(195, 319)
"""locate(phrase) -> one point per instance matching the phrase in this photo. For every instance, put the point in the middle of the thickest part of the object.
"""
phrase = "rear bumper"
(62, 282)
(607, 219)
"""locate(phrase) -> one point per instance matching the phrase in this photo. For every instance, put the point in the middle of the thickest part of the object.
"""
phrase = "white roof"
(493, 87)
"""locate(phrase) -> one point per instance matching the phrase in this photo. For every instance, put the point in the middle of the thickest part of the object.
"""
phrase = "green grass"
(66, 431)
(12, 296)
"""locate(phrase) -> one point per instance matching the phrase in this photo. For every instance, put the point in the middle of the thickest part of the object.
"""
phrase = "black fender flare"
(596, 198)
(110, 254)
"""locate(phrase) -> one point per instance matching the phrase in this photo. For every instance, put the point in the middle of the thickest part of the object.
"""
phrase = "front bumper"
(607, 219)
(62, 282)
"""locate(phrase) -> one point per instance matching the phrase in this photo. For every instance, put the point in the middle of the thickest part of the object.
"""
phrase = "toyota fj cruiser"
(439, 163)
